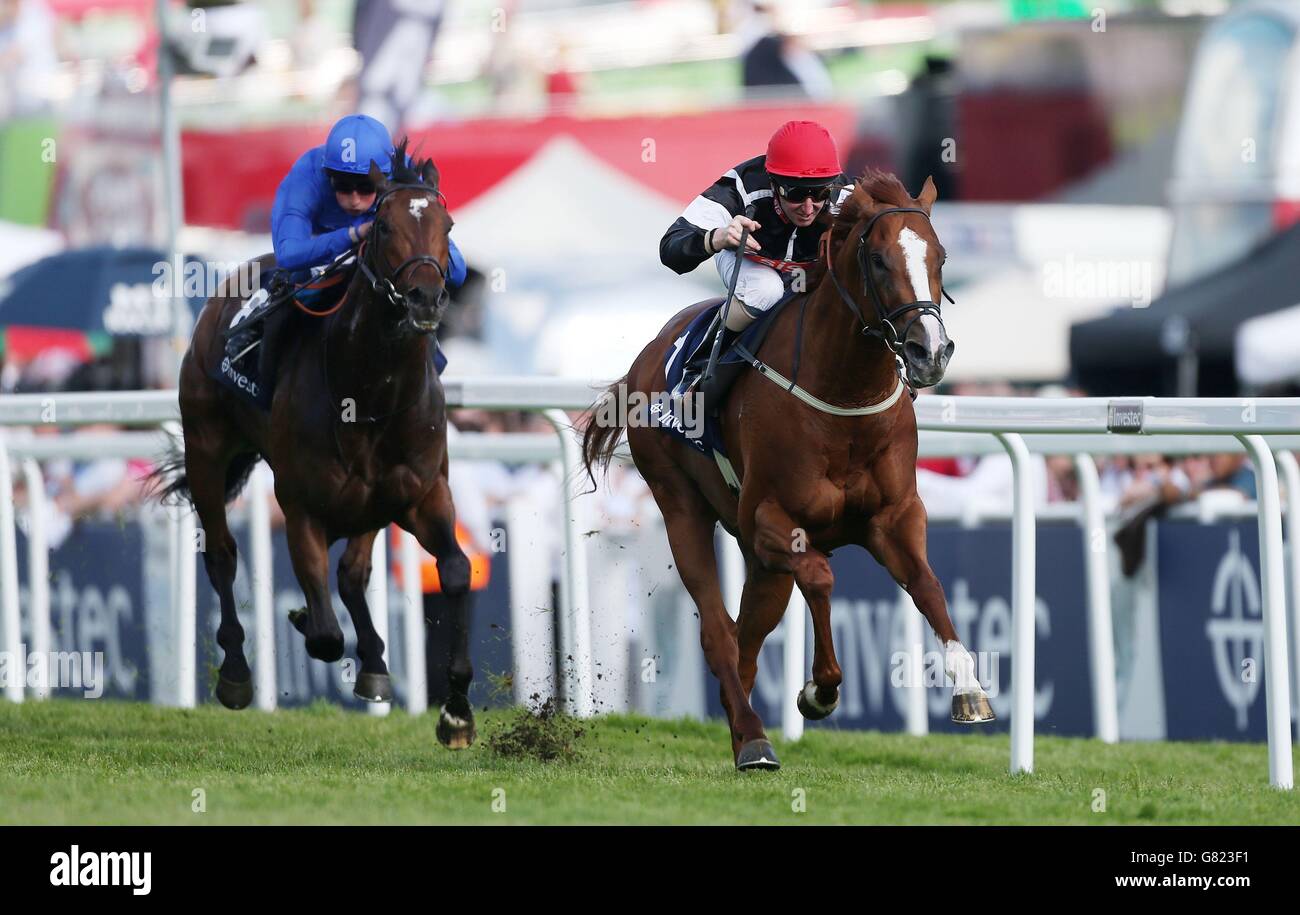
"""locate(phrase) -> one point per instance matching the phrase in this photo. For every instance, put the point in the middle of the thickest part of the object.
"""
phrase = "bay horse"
(831, 466)
(357, 436)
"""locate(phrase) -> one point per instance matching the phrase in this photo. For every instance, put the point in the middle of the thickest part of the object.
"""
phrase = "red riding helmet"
(803, 149)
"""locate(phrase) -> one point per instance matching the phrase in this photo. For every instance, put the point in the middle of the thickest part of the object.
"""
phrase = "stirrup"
(689, 382)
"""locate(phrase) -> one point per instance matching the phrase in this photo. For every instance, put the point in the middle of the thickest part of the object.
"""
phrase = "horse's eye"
(877, 259)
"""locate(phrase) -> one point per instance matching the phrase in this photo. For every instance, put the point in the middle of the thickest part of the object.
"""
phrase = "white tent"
(1266, 351)
(570, 248)
(1005, 328)
(1023, 273)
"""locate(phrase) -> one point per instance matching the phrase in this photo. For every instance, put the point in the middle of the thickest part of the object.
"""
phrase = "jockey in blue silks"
(325, 206)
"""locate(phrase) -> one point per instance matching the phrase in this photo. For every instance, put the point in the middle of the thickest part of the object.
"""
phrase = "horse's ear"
(377, 177)
(854, 208)
(929, 194)
(429, 174)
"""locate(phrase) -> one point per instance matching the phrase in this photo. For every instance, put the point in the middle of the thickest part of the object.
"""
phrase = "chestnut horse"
(356, 435)
(830, 464)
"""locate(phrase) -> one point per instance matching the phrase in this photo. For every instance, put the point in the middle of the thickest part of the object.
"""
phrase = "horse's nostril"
(914, 352)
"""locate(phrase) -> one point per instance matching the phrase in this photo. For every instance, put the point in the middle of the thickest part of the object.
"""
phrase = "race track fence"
(950, 425)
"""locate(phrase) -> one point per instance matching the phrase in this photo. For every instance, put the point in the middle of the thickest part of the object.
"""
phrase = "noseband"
(887, 333)
(386, 286)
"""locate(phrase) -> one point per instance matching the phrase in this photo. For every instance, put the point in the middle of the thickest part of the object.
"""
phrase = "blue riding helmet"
(354, 142)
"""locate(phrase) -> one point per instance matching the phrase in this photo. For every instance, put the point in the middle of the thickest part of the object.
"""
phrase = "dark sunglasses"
(797, 193)
(348, 184)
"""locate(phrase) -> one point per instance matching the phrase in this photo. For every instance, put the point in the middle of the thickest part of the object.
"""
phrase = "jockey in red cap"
(787, 188)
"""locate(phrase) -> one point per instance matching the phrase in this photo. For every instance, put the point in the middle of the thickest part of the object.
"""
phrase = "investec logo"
(103, 868)
(1236, 628)
(239, 378)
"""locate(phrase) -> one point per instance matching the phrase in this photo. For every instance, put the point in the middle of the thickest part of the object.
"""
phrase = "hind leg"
(897, 539)
(690, 522)
(433, 523)
(774, 548)
(762, 604)
(373, 684)
(207, 483)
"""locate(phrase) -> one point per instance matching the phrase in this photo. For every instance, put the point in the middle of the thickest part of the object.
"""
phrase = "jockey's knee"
(758, 288)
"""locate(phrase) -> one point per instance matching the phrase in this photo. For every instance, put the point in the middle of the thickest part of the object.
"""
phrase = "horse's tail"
(168, 483)
(601, 436)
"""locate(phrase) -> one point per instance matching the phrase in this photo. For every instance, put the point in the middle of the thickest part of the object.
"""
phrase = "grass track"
(106, 762)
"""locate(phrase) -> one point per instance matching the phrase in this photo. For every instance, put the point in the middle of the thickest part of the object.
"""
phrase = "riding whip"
(726, 305)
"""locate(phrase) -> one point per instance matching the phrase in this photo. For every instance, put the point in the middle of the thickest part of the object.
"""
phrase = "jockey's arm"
(297, 249)
(292, 216)
(688, 241)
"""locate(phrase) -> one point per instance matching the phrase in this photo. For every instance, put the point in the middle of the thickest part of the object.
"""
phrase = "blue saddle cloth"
(698, 427)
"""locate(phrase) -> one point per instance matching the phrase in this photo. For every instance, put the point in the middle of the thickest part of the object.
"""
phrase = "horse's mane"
(874, 186)
(412, 173)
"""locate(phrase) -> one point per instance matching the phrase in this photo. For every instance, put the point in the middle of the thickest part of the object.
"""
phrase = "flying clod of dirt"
(537, 731)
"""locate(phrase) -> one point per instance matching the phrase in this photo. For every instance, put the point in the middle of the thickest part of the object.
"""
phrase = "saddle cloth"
(699, 427)
(239, 370)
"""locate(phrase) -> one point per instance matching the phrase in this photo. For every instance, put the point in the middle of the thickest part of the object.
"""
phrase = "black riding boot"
(272, 332)
(698, 360)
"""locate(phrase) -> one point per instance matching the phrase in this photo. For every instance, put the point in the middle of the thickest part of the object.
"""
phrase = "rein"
(386, 285)
(887, 333)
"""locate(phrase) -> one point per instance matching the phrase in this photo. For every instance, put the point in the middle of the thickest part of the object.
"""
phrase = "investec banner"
(1211, 630)
(867, 617)
(1191, 657)
(109, 594)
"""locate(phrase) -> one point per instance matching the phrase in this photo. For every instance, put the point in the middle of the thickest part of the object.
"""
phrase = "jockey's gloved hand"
(357, 233)
(729, 235)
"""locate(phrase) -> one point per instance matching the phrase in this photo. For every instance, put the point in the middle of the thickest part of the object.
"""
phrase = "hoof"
(971, 708)
(455, 733)
(234, 695)
(327, 648)
(757, 754)
(299, 619)
(373, 688)
(808, 705)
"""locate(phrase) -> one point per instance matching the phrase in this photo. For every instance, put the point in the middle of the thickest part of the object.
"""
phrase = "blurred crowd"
(548, 60)
(27, 56)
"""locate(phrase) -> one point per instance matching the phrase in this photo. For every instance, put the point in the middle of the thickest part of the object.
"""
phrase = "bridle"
(386, 286)
(887, 332)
